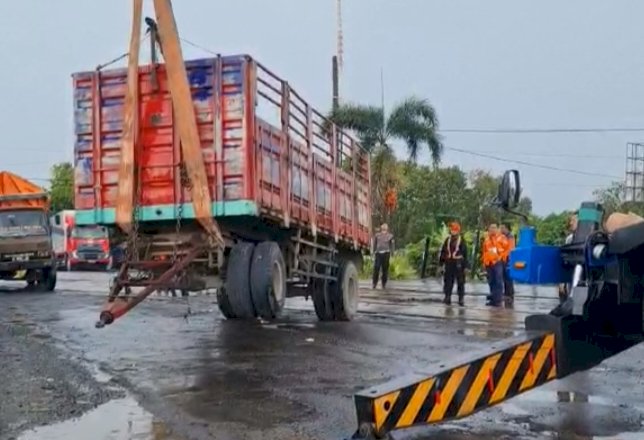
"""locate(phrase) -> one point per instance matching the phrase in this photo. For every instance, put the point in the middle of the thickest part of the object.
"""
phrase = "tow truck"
(602, 316)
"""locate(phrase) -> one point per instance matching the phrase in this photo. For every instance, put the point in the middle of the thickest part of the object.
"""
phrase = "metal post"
(336, 83)
(423, 269)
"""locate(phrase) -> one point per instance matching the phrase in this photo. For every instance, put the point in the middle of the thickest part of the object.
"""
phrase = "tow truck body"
(602, 316)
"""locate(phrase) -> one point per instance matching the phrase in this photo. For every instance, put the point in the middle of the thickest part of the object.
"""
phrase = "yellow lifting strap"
(514, 366)
(185, 121)
(125, 191)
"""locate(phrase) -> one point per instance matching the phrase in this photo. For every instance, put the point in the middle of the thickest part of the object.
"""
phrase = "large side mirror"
(509, 190)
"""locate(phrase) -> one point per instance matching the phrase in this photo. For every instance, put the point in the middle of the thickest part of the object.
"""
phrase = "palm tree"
(413, 121)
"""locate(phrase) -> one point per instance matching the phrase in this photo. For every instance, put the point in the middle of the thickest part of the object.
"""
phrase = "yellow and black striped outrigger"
(515, 367)
(553, 347)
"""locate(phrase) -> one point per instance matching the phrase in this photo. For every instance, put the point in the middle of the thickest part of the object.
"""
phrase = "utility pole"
(338, 58)
(336, 85)
(382, 94)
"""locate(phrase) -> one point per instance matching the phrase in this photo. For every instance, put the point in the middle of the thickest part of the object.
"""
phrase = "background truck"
(79, 246)
(25, 241)
(286, 192)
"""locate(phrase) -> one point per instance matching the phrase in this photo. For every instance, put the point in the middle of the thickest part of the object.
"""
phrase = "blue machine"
(532, 263)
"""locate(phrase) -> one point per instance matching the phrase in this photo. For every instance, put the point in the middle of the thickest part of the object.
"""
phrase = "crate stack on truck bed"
(278, 171)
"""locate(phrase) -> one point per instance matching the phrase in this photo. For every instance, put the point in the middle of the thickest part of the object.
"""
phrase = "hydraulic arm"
(602, 316)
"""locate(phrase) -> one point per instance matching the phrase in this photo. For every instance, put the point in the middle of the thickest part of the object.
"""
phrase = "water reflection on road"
(120, 419)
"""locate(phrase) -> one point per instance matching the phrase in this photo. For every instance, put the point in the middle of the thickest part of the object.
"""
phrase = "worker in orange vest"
(494, 248)
(454, 256)
(508, 284)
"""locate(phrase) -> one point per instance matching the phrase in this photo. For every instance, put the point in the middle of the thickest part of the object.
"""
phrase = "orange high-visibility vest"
(511, 245)
(453, 255)
(494, 249)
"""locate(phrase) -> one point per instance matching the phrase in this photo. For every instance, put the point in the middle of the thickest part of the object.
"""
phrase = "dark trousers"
(381, 263)
(495, 281)
(454, 271)
(508, 284)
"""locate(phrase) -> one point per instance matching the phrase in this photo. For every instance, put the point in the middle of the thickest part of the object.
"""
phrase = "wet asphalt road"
(174, 369)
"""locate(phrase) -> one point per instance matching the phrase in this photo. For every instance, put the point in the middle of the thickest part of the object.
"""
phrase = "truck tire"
(268, 280)
(48, 280)
(224, 304)
(345, 293)
(238, 280)
(321, 301)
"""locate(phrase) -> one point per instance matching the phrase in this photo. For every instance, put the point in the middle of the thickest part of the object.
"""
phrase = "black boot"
(448, 300)
(461, 301)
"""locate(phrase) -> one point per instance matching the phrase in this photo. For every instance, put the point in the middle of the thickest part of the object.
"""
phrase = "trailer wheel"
(321, 294)
(238, 280)
(224, 304)
(346, 292)
(268, 280)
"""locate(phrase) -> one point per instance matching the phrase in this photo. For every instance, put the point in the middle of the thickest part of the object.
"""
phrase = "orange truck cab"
(26, 252)
(86, 246)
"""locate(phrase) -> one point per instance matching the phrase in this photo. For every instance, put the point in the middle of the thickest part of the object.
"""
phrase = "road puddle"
(487, 333)
(550, 396)
(119, 419)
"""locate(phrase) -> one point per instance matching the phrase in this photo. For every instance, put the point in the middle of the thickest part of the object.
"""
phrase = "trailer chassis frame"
(120, 299)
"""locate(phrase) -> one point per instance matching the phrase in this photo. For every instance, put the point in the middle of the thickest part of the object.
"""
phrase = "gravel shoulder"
(41, 384)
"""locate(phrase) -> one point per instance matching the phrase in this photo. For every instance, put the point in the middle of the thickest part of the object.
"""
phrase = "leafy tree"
(611, 197)
(484, 188)
(427, 199)
(62, 186)
(553, 229)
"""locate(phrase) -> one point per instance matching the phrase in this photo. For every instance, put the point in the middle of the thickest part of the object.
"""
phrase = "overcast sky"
(483, 64)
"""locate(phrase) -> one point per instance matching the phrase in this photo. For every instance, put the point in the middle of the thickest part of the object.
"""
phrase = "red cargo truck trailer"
(289, 190)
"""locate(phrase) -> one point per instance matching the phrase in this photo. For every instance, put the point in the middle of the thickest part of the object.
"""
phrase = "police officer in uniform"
(382, 248)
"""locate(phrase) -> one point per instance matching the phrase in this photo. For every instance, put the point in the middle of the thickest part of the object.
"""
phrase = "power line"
(566, 185)
(534, 165)
(540, 130)
(483, 130)
(560, 155)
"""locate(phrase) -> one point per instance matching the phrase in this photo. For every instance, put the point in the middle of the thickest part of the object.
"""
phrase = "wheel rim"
(278, 282)
(351, 295)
